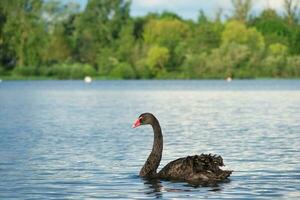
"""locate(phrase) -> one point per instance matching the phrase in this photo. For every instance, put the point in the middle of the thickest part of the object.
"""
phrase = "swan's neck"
(152, 163)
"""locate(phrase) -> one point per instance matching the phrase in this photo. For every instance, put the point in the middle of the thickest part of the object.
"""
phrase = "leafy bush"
(165, 32)
(74, 71)
(237, 32)
(2, 72)
(195, 65)
(123, 70)
(106, 61)
(293, 66)
(25, 71)
(157, 59)
(62, 71)
(44, 71)
(228, 60)
(273, 65)
(142, 70)
(278, 49)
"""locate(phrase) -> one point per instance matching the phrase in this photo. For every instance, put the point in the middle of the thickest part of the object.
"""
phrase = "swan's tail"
(210, 165)
(225, 174)
(207, 162)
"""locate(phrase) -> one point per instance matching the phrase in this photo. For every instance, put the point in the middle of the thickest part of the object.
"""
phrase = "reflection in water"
(154, 187)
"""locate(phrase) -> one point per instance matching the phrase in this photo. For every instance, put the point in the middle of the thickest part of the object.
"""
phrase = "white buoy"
(229, 79)
(88, 79)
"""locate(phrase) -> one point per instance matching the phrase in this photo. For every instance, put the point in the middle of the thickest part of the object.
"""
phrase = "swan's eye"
(141, 119)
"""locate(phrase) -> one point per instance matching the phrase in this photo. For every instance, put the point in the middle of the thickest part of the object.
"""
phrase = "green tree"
(58, 49)
(5, 57)
(294, 46)
(291, 10)
(157, 59)
(278, 49)
(273, 27)
(293, 66)
(195, 66)
(229, 61)
(241, 9)
(291, 16)
(275, 61)
(166, 32)
(56, 12)
(169, 33)
(205, 36)
(98, 26)
(123, 71)
(237, 32)
(126, 43)
(23, 30)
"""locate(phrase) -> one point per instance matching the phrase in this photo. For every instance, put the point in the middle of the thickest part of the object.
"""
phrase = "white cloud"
(190, 8)
(164, 3)
(223, 3)
(275, 4)
(149, 3)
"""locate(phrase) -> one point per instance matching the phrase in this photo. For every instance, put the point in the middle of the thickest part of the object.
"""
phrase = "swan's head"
(145, 118)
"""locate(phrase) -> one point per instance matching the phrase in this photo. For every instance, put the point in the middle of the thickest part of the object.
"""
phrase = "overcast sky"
(189, 9)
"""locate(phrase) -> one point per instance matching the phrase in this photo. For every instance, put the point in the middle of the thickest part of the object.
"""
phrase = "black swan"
(204, 168)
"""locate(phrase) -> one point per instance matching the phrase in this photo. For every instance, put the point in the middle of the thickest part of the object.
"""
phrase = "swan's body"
(202, 168)
(196, 169)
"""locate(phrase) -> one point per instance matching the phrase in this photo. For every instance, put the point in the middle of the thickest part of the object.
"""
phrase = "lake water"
(71, 140)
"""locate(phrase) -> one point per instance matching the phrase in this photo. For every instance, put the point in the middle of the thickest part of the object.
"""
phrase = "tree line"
(61, 40)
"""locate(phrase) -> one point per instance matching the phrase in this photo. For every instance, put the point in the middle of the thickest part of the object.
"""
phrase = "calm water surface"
(70, 140)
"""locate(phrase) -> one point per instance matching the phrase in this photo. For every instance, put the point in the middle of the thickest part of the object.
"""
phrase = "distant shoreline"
(41, 78)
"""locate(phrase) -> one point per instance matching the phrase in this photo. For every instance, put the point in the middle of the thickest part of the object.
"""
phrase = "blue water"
(71, 140)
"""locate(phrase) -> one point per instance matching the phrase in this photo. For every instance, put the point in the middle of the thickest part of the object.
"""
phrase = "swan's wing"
(177, 168)
(204, 167)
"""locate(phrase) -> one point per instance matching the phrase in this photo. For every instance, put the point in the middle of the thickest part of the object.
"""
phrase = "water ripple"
(69, 140)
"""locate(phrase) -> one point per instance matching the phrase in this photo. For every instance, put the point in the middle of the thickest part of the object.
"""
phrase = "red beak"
(137, 123)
